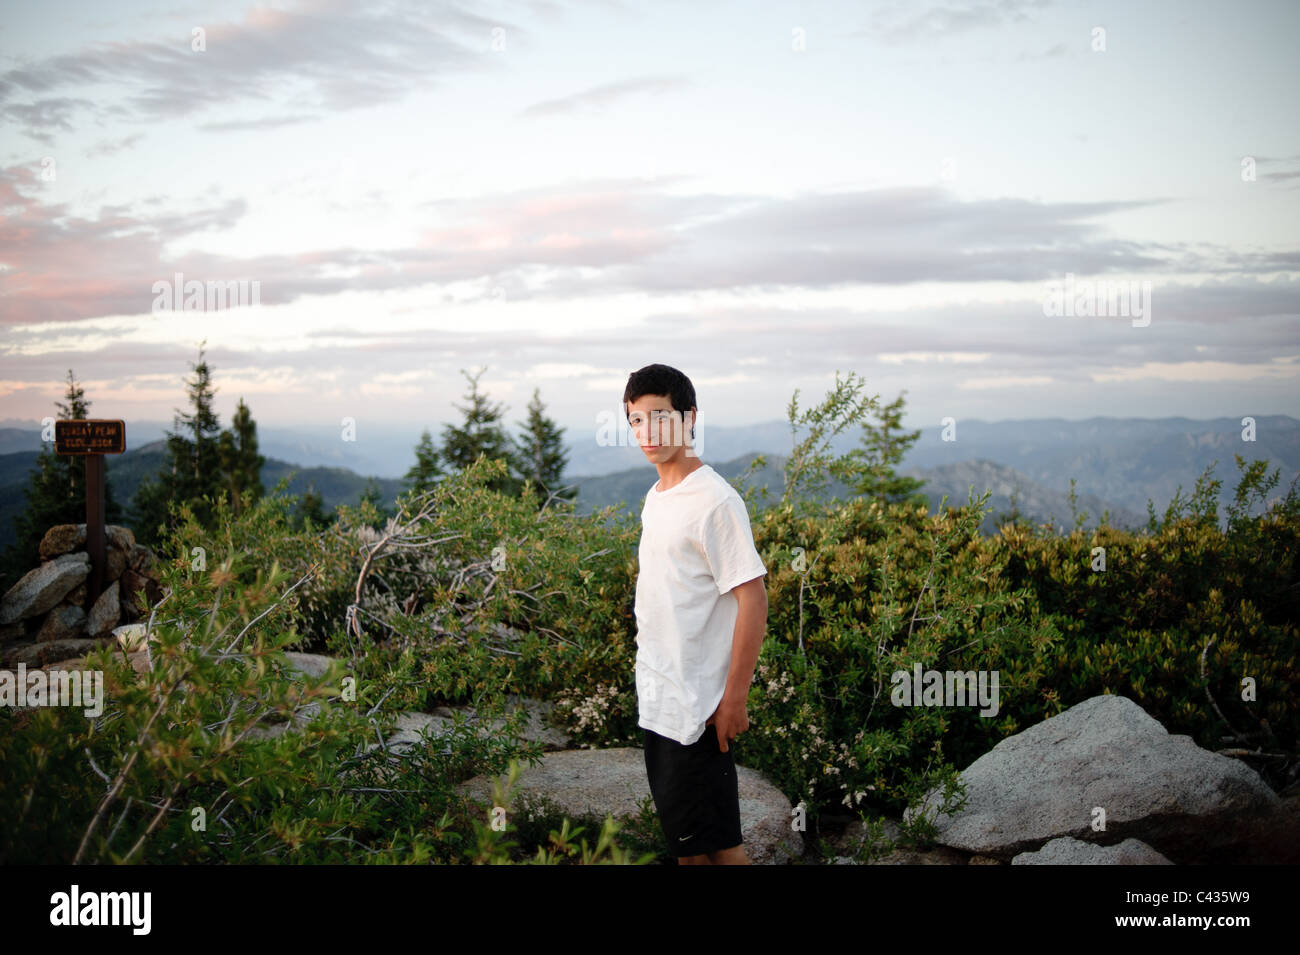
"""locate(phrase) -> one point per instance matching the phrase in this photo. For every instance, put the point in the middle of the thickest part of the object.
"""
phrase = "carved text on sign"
(90, 436)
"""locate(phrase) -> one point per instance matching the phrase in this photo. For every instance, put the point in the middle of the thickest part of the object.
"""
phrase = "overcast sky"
(756, 193)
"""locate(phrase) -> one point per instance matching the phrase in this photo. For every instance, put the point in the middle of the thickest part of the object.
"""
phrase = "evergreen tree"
(375, 496)
(426, 471)
(241, 465)
(482, 433)
(192, 469)
(542, 457)
(883, 447)
(149, 517)
(311, 509)
(55, 493)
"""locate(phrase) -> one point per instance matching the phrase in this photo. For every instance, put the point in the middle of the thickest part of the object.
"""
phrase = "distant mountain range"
(1118, 464)
(126, 472)
(1035, 502)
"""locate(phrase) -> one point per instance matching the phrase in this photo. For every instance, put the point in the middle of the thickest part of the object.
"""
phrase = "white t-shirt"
(696, 545)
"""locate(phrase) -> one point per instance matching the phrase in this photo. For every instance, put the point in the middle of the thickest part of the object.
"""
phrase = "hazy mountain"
(1035, 502)
(1124, 461)
(1117, 463)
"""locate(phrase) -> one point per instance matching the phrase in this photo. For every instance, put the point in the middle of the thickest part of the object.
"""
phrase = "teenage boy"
(701, 609)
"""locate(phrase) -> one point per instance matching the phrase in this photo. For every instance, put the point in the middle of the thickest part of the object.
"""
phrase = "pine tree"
(311, 509)
(426, 471)
(241, 465)
(883, 447)
(542, 457)
(192, 469)
(56, 492)
(375, 496)
(482, 433)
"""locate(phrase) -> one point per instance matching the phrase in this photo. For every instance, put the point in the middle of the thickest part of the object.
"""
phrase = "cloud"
(58, 266)
(324, 55)
(108, 147)
(606, 94)
(1199, 372)
(1281, 175)
(43, 119)
(269, 122)
(905, 21)
(570, 241)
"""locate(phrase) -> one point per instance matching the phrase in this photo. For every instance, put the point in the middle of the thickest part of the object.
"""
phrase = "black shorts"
(695, 792)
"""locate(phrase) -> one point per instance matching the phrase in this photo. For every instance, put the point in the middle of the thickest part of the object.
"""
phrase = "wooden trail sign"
(92, 439)
(89, 437)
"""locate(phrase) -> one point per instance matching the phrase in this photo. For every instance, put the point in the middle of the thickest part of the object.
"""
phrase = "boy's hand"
(731, 720)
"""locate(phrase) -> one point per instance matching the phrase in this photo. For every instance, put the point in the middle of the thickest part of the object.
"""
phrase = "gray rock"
(140, 559)
(935, 855)
(414, 729)
(851, 839)
(850, 844)
(41, 589)
(1041, 784)
(114, 564)
(106, 612)
(600, 782)
(39, 654)
(132, 582)
(62, 623)
(78, 594)
(309, 664)
(313, 666)
(537, 729)
(72, 663)
(1069, 851)
(15, 632)
(139, 661)
(119, 538)
(301, 718)
(410, 728)
(62, 539)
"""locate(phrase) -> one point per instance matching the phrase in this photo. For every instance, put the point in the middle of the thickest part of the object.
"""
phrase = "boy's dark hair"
(661, 380)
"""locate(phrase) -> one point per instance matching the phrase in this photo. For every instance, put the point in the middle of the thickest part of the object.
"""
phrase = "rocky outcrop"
(581, 782)
(1067, 851)
(1106, 754)
(64, 622)
(40, 590)
(848, 847)
(599, 782)
(52, 602)
(70, 651)
(105, 613)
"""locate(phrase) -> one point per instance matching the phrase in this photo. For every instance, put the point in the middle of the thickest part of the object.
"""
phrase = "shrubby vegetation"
(469, 595)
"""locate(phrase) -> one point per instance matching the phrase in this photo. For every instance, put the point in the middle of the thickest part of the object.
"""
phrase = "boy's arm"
(746, 642)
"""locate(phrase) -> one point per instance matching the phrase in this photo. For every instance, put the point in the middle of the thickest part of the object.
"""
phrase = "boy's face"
(660, 431)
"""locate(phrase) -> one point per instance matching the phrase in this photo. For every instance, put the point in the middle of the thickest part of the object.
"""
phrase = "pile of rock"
(1105, 775)
(49, 614)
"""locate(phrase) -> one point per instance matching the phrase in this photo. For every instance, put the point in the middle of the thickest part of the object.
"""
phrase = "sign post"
(92, 439)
